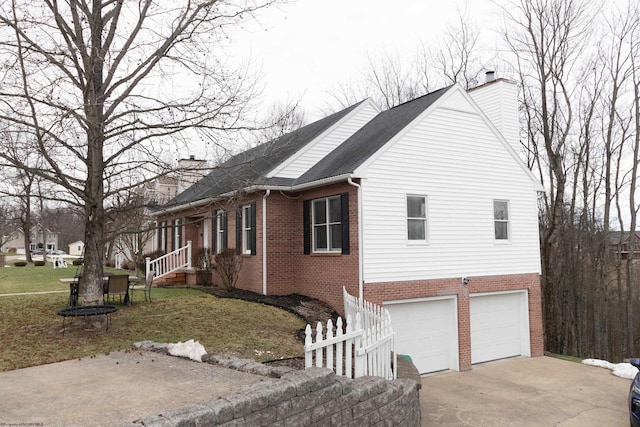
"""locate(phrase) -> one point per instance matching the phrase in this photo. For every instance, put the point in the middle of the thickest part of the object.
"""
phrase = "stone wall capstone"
(311, 397)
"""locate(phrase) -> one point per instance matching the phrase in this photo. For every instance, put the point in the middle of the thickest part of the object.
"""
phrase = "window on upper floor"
(501, 220)
(417, 224)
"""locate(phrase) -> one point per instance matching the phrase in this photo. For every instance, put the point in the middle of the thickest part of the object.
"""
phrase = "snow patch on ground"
(189, 349)
(622, 370)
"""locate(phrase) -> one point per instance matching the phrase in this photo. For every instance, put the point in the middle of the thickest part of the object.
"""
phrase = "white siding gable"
(452, 155)
(316, 150)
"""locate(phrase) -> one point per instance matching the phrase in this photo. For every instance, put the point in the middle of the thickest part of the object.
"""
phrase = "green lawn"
(30, 329)
(37, 279)
(33, 279)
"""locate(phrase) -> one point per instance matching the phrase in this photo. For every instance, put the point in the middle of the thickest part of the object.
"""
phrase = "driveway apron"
(539, 391)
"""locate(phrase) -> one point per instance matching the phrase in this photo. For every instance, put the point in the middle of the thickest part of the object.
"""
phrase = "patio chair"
(145, 287)
(118, 284)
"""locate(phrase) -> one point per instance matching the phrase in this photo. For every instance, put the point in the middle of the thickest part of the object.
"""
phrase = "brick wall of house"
(378, 293)
(317, 275)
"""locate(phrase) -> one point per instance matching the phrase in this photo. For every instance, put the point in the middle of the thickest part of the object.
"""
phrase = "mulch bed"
(309, 309)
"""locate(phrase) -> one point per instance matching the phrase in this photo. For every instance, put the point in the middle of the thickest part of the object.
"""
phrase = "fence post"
(339, 346)
(329, 355)
(319, 349)
(148, 266)
(308, 340)
(360, 356)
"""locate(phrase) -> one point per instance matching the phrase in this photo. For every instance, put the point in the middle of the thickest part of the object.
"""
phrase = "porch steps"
(175, 278)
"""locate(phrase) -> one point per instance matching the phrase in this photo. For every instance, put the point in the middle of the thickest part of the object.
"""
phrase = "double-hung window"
(327, 225)
(417, 224)
(246, 229)
(220, 230)
(501, 220)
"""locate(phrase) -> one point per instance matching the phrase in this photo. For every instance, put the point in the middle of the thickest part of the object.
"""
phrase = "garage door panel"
(498, 326)
(426, 331)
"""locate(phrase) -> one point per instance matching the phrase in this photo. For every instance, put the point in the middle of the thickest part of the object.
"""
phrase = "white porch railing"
(370, 349)
(173, 261)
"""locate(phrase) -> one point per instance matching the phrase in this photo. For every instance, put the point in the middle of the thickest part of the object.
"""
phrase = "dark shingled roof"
(369, 139)
(249, 167)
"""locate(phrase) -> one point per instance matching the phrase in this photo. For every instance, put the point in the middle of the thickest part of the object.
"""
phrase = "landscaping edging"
(297, 398)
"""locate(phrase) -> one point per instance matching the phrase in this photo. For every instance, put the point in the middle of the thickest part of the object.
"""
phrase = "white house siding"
(312, 153)
(499, 101)
(454, 159)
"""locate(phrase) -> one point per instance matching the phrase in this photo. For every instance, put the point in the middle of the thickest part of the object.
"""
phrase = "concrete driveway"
(539, 391)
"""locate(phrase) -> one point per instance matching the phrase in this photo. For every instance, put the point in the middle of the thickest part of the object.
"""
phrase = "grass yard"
(31, 331)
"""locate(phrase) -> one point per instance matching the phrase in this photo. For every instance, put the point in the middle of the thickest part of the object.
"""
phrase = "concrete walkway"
(539, 391)
(111, 390)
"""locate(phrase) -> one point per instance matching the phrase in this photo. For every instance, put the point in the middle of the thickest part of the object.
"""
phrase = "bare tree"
(390, 80)
(457, 58)
(105, 89)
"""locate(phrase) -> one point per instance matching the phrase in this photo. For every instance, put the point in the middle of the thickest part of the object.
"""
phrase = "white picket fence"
(355, 350)
(173, 261)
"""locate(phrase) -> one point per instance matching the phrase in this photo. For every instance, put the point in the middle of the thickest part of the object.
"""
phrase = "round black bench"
(87, 311)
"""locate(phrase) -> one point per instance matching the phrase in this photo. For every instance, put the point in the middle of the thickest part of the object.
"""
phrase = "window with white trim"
(501, 220)
(327, 224)
(417, 224)
(246, 229)
(221, 230)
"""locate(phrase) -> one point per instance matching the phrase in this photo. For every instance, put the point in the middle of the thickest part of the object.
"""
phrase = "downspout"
(360, 239)
(264, 241)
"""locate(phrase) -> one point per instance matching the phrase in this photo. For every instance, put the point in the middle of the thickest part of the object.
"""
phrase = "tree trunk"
(91, 292)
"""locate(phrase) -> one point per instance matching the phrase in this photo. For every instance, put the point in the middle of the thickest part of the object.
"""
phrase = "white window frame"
(497, 221)
(205, 233)
(424, 219)
(177, 233)
(219, 230)
(327, 225)
(163, 235)
(246, 229)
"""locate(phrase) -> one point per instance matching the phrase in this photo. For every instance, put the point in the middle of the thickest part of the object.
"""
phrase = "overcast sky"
(305, 49)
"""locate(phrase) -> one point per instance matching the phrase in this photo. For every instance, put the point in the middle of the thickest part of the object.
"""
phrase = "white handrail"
(171, 262)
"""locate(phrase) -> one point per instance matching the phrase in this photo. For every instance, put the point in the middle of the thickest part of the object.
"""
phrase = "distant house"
(424, 208)
(37, 237)
(76, 248)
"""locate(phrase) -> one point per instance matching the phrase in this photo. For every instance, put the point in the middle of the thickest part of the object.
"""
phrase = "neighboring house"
(76, 248)
(424, 208)
(16, 240)
(161, 189)
(620, 244)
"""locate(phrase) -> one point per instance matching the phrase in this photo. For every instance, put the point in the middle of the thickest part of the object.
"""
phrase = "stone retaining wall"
(301, 398)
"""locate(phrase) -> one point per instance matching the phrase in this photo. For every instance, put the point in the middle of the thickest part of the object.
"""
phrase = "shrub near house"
(424, 208)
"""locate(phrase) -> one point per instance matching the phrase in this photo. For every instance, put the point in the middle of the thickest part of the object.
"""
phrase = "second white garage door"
(427, 330)
(499, 326)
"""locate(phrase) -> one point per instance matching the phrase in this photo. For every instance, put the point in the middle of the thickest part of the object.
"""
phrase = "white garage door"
(427, 331)
(499, 326)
